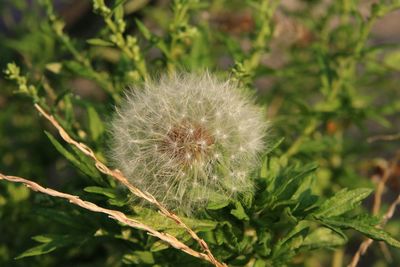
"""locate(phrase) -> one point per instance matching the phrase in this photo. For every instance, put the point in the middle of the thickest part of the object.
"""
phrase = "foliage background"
(325, 70)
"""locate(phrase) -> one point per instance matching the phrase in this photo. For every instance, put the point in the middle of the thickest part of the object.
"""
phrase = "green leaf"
(286, 187)
(50, 243)
(38, 250)
(82, 70)
(157, 41)
(286, 247)
(108, 192)
(99, 42)
(365, 225)
(54, 67)
(77, 162)
(263, 245)
(143, 29)
(138, 257)
(158, 222)
(115, 197)
(228, 235)
(212, 205)
(300, 229)
(342, 202)
(119, 202)
(239, 212)
(274, 146)
(216, 202)
(68, 155)
(179, 233)
(264, 167)
(270, 168)
(323, 237)
(96, 127)
(42, 238)
(118, 10)
(393, 60)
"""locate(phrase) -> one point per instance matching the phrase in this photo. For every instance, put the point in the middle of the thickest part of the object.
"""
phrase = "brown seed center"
(187, 142)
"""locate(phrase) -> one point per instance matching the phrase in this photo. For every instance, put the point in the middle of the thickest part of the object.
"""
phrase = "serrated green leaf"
(363, 225)
(321, 238)
(286, 247)
(239, 212)
(342, 202)
(300, 229)
(263, 245)
(228, 235)
(287, 188)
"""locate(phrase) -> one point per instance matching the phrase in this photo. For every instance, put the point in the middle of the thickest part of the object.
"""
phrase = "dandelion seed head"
(185, 138)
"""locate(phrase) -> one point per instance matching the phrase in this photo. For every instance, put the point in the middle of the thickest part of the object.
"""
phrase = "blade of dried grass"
(114, 214)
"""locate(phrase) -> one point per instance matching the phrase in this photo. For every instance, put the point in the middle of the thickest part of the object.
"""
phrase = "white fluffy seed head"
(186, 138)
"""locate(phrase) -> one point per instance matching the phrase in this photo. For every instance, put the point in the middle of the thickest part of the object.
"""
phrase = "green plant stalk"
(245, 71)
(267, 10)
(57, 26)
(128, 45)
(122, 44)
(347, 68)
(180, 20)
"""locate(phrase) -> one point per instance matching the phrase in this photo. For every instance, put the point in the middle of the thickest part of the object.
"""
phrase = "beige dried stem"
(114, 214)
(387, 172)
(116, 174)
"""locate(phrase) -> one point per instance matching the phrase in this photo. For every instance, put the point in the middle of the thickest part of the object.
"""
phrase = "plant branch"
(390, 137)
(116, 174)
(114, 214)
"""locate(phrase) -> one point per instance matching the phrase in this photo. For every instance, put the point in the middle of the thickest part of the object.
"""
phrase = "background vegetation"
(329, 81)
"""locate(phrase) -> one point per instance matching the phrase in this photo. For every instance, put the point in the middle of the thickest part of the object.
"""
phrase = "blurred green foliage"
(327, 84)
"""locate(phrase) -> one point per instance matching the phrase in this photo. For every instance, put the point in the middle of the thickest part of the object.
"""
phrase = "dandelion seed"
(165, 140)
